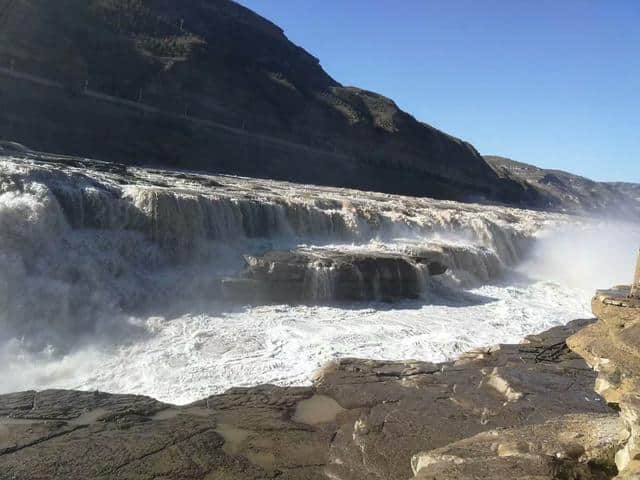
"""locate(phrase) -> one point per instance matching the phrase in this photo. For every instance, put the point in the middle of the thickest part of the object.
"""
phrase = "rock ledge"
(611, 346)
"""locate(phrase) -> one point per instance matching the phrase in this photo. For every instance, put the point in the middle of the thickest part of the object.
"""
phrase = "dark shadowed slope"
(208, 84)
(566, 191)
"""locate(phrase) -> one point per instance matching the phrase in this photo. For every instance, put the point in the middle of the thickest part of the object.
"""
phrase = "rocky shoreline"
(510, 411)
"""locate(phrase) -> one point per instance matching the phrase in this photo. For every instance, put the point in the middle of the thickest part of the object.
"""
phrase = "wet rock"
(334, 275)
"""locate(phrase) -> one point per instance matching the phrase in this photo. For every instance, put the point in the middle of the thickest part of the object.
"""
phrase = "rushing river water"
(112, 281)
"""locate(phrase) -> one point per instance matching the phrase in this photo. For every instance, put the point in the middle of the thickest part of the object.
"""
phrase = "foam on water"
(183, 359)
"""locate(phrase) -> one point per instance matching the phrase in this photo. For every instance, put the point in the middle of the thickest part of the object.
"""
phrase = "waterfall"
(83, 250)
(180, 220)
(423, 276)
(319, 282)
(360, 282)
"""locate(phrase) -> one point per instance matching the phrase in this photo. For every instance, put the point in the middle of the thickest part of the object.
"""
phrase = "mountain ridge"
(217, 61)
(566, 191)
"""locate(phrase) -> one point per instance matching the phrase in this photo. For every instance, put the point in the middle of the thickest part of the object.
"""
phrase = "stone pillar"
(635, 287)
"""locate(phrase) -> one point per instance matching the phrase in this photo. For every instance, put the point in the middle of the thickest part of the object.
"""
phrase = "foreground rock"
(612, 347)
(361, 419)
(569, 446)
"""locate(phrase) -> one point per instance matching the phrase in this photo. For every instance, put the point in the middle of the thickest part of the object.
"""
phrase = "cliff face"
(611, 346)
(208, 84)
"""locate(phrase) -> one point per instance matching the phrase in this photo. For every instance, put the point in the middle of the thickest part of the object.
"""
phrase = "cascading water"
(318, 282)
(105, 275)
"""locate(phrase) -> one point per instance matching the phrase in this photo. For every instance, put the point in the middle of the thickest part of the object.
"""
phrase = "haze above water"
(109, 281)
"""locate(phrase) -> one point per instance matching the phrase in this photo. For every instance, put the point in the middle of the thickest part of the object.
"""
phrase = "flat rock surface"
(71, 405)
(361, 419)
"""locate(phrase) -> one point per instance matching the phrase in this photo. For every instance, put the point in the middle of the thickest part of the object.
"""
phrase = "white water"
(109, 283)
(184, 359)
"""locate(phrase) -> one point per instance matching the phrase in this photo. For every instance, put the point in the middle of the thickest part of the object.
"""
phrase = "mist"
(593, 255)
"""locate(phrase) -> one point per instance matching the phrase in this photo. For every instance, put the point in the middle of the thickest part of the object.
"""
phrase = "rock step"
(334, 275)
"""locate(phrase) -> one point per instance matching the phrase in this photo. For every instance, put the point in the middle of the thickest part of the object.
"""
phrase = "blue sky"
(555, 83)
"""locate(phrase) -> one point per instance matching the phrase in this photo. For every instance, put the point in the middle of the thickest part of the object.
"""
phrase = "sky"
(554, 83)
